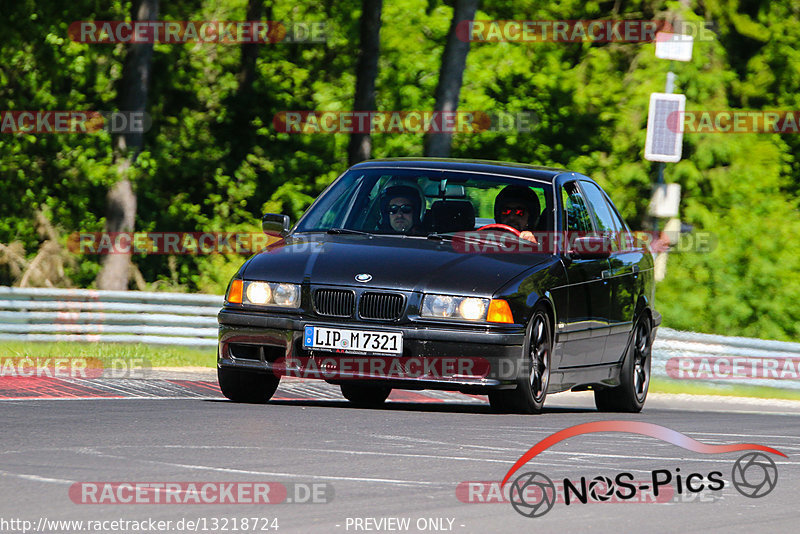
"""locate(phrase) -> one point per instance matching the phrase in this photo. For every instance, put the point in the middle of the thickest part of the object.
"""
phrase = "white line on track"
(571, 462)
(578, 454)
(398, 482)
(37, 478)
(750, 436)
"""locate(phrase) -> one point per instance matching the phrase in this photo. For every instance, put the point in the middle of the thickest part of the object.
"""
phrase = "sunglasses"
(405, 209)
(520, 212)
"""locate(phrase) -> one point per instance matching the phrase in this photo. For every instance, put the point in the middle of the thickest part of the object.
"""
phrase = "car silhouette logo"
(363, 277)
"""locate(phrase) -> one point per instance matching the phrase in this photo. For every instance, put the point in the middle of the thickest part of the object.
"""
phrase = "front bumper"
(435, 356)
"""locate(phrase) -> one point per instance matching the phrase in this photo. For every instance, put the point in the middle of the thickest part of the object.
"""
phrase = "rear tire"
(365, 396)
(533, 375)
(634, 377)
(246, 386)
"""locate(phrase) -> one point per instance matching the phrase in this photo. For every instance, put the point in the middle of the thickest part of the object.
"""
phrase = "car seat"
(451, 216)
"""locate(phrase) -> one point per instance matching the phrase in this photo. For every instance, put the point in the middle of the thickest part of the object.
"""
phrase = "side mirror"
(275, 225)
(590, 248)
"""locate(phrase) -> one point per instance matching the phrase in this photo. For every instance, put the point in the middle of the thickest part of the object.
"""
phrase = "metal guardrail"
(191, 320)
(43, 314)
(691, 345)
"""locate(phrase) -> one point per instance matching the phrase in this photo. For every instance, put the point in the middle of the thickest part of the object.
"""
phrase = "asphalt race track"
(400, 468)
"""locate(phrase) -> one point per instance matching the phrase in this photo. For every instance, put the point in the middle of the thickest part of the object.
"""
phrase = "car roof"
(471, 165)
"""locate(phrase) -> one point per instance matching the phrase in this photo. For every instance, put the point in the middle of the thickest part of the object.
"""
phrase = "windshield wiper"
(440, 237)
(346, 231)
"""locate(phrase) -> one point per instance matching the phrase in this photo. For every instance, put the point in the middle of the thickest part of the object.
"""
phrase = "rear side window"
(621, 226)
(575, 215)
(606, 224)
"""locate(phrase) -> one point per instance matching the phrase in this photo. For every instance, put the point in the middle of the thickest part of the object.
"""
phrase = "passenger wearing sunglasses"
(400, 210)
(518, 206)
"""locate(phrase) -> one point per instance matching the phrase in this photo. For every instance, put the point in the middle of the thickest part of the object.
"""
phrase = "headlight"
(439, 306)
(286, 295)
(472, 309)
(265, 294)
(446, 306)
(467, 308)
(258, 292)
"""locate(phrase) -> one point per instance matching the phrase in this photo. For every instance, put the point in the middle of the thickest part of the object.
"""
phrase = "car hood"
(393, 262)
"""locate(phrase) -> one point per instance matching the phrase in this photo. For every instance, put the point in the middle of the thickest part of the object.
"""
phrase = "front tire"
(246, 386)
(634, 377)
(533, 376)
(365, 396)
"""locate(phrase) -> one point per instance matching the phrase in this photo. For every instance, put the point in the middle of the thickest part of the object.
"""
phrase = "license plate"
(367, 341)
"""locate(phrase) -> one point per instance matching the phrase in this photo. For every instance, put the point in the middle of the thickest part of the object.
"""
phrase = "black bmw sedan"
(492, 278)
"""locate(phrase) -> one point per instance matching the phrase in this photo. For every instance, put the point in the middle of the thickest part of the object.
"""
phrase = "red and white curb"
(290, 389)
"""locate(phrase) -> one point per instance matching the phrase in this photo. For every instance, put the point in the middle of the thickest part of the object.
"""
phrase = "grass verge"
(157, 356)
(665, 385)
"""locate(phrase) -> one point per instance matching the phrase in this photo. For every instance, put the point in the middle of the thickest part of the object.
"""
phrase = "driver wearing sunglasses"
(401, 210)
(518, 206)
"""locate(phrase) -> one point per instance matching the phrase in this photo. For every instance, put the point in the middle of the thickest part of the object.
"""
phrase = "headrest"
(452, 215)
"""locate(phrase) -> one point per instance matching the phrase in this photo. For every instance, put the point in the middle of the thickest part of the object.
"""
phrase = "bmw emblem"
(363, 277)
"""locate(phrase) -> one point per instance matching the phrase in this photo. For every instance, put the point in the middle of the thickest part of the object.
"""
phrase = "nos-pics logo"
(533, 494)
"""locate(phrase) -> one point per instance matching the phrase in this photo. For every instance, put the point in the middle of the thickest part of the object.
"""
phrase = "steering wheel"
(498, 226)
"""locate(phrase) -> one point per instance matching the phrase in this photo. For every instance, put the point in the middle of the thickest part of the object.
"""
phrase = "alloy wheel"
(540, 358)
(641, 376)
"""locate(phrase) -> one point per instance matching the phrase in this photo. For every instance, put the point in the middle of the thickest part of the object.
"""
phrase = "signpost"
(664, 143)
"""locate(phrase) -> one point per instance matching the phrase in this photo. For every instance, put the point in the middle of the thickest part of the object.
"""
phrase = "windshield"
(421, 203)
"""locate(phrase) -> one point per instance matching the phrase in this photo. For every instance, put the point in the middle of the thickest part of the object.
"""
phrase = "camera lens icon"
(532, 494)
(754, 475)
(601, 489)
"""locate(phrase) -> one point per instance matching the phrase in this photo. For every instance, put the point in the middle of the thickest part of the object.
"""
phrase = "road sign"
(665, 201)
(664, 140)
(674, 46)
